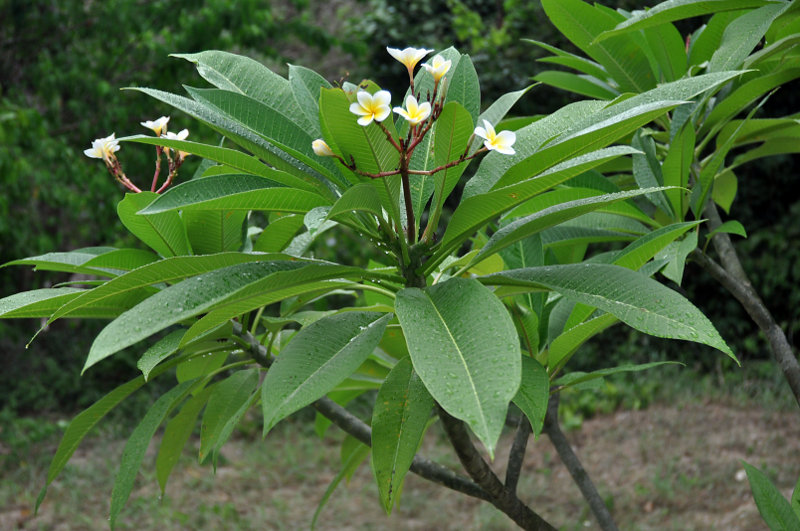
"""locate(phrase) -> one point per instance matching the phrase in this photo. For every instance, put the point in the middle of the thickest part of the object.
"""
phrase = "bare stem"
(517, 454)
(573, 464)
(158, 169)
(482, 474)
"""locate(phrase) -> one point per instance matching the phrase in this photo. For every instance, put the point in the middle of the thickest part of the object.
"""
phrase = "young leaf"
(533, 394)
(316, 359)
(399, 419)
(165, 233)
(773, 507)
(633, 298)
(577, 378)
(567, 343)
(161, 350)
(464, 347)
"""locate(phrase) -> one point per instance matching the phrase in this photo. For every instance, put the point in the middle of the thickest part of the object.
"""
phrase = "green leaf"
(352, 462)
(137, 445)
(167, 270)
(549, 217)
(274, 124)
(743, 35)
(533, 394)
(796, 499)
(234, 159)
(454, 128)
(200, 366)
(360, 198)
(320, 356)
(399, 419)
(582, 23)
(316, 279)
(306, 85)
(706, 40)
(224, 409)
(165, 233)
(176, 303)
(669, 49)
(176, 435)
(475, 211)
(278, 234)
(576, 378)
(675, 169)
(640, 251)
(730, 227)
(214, 231)
(576, 62)
(83, 424)
(161, 350)
(638, 301)
(773, 507)
(724, 191)
(234, 192)
(672, 10)
(464, 347)
(675, 254)
(463, 87)
(647, 171)
(100, 261)
(568, 342)
(36, 303)
(579, 84)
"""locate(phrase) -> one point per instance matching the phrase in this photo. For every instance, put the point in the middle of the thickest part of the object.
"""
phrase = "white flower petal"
(382, 97)
(356, 108)
(506, 138)
(365, 120)
(365, 99)
(481, 132)
(382, 113)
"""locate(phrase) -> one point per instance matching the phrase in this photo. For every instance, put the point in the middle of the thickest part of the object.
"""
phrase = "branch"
(732, 276)
(517, 454)
(754, 306)
(479, 470)
(573, 464)
(354, 426)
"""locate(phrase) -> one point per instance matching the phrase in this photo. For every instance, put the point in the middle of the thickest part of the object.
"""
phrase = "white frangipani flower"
(500, 142)
(159, 126)
(408, 56)
(371, 106)
(103, 148)
(414, 113)
(180, 135)
(438, 67)
(321, 148)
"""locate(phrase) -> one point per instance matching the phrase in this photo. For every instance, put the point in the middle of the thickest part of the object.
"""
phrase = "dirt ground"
(662, 468)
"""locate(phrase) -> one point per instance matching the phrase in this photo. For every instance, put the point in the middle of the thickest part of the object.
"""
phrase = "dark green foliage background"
(62, 65)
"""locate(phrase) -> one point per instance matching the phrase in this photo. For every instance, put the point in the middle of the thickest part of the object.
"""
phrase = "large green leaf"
(633, 298)
(464, 347)
(306, 85)
(167, 270)
(225, 408)
(640, 251)
(676, 167)
(475, 211)
(274, 124)
(463, 87)
(576, 378)
(454, 128)
(582, 23)
(176, 303)
(234, 192)
(579, 84)
(563, 346)
(214, 231)
(101, 261)
(533, 394)
(36, 303)
(316, 279)
(320, 356)
(399, 419)
(647, 170)
(137, 444)
(301, 176)
(669, 49)
(158, 352)
(549, 217)
(279, 233)
(743, 35)
(672, 10)
(773, 507)
(164, 233)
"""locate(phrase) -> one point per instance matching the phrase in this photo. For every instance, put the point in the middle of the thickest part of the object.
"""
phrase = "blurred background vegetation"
(62, 65)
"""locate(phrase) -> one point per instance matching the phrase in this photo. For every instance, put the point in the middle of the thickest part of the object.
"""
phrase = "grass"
(670, 465)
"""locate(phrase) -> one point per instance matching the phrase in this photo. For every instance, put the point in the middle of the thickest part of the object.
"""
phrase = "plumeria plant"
(466, 320)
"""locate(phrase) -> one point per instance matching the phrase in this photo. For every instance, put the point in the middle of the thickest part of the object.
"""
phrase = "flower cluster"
(105, 148)
(376, 108)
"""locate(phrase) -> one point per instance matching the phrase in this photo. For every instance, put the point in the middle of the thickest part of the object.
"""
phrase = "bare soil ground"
(662, 468)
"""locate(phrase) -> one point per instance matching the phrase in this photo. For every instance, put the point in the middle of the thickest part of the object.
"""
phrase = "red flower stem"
(158, 169)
